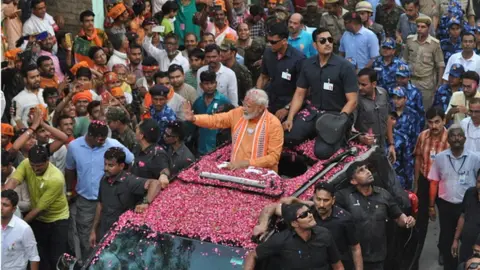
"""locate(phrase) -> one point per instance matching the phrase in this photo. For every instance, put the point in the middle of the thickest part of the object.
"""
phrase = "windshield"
(136, 249)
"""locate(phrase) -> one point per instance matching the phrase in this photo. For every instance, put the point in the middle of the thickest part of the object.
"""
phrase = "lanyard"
(461, 166)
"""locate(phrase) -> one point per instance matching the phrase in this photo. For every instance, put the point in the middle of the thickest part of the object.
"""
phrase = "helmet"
(364, 6)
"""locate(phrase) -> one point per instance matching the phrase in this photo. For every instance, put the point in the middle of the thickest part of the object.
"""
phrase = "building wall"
(70, 10)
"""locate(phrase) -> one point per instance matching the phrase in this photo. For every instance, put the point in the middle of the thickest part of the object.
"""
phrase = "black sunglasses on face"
(304, 214)
(273, 42)
(324, 40)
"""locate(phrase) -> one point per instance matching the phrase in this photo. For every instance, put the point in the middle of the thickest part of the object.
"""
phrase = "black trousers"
(304, 129)
(448, 215)
(52, 241)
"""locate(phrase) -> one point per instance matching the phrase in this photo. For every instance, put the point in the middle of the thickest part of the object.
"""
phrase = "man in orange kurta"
(257, 135)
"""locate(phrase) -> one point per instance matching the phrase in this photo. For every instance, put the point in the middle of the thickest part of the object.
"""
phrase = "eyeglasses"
(273, 42)
(324, 40)
(304, 214)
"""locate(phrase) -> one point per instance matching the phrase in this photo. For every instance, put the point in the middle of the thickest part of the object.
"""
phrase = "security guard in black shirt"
(304, 246)
(370, 207)
(281, 66)
(327, 84)
(332, 217)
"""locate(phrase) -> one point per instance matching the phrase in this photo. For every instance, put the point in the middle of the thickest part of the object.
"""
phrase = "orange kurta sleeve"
(274, 148)
(219, 120)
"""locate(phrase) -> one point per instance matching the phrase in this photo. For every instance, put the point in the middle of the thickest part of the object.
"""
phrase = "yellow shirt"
(46, 191)
(458, 98)
(230, 119)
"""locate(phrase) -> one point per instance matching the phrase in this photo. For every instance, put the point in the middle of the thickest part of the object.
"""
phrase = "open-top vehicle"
(204, 219)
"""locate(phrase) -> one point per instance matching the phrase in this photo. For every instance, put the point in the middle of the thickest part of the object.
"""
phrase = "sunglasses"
(324, 40)
(273, 42)
(304, 214)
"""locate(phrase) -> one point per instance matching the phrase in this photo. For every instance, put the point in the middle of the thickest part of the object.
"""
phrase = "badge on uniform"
(328, 86)
(462, 178)
(286, 76)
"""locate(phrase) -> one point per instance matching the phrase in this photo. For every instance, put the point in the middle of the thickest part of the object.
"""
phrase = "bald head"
(295, 24)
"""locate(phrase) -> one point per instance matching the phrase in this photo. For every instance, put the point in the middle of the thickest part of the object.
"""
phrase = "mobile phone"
(68, 40)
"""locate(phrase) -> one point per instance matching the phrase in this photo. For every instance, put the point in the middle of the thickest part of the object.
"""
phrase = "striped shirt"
(428, 146)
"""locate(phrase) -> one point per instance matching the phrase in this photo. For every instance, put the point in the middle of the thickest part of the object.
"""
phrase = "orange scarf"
(98, 42)
(260, 138)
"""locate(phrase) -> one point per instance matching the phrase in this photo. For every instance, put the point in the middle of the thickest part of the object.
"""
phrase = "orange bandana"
(86, 94)
(7, 129)
(75, 68)
(116, 11)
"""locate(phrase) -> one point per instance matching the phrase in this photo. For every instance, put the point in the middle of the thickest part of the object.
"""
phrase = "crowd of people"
(99, 121)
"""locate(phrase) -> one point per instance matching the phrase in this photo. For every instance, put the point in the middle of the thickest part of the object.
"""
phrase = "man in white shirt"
(226, 78)
(18, 242)
(40, 21)
(120, 47)
(171, 54)
(459, 102)
(467, 57)
(471, 126)
(29, 97)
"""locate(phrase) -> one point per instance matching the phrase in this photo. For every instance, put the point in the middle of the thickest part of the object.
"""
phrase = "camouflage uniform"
(378, 30)
(252, 55)
(386, 74)
(335, 25)
(450, 48)
(389, 19)
(414, 96)
(244, 79)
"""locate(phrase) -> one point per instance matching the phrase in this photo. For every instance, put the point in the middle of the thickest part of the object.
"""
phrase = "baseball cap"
(389, 43)
(403, 71)
(453, 21)
(456, 71)
(398, 91)
(159, 90)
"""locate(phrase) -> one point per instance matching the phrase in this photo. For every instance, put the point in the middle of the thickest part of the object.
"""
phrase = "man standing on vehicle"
(333, 88)
(328, 215)
(452, 172)
(118, 193)
(257, 135)
(281, 66)
(371, 207)
(303, 246)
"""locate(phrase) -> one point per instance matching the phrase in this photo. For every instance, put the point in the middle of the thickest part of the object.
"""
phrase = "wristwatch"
(287, 107)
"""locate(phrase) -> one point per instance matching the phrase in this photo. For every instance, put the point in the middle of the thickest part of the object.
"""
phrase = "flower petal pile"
(216, 214)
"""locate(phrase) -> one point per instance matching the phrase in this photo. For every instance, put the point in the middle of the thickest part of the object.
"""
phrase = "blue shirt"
(361, 46)
(162, 117)
(448, 171)
(304, 43)
(89, 164)
(386, 74)
(207, 139)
